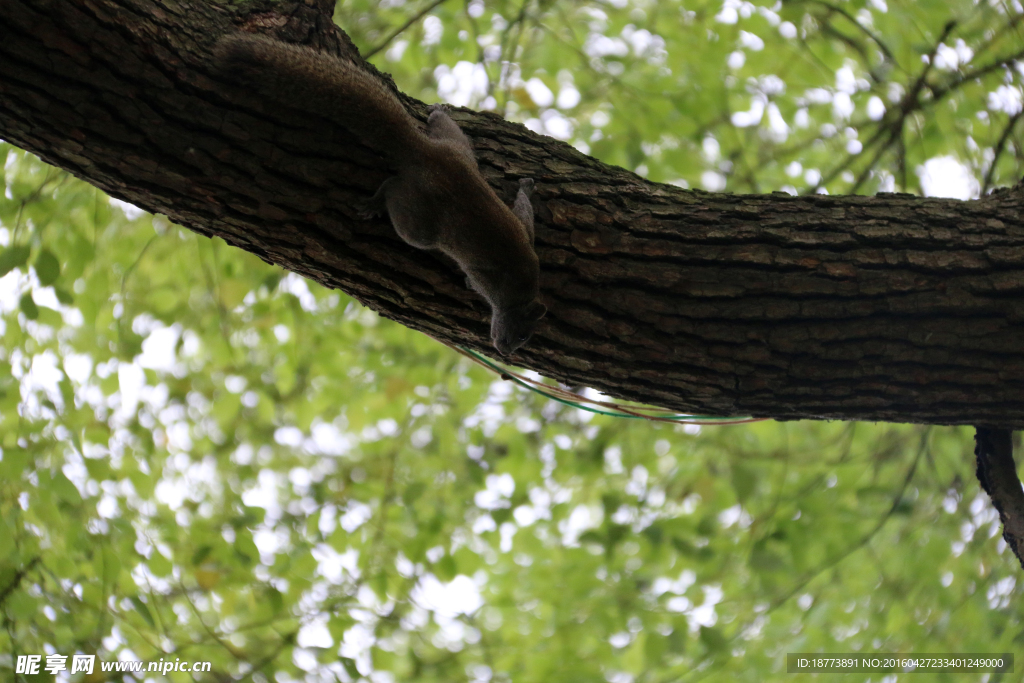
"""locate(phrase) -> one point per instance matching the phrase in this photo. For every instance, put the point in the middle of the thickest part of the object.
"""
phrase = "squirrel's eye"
(522, 338)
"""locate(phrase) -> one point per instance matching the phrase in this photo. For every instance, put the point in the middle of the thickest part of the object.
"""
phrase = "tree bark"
(889, 308)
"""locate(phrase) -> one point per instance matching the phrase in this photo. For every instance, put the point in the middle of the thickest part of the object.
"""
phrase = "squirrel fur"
(437, 197)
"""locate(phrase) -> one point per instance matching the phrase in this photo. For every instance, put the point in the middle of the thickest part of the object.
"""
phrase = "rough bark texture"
(998, 476)
(891, 307)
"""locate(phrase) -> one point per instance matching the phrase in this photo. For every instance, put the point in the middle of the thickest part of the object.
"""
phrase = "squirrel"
(437, 197)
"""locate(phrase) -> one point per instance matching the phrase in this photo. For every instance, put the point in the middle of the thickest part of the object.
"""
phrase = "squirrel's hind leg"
(410, 225)
(417, 226)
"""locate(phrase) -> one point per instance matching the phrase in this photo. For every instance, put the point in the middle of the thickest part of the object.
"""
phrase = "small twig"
(901, 162)
(995, 37)
(998, 150)
(481, 56)
(29, 199)
(286, 640)
(910, 100)
(911, 103)
(866, 173)
(506, 59)
(18, 577)
(240, 656)
(412, 20)
(863, 29)
(962, 78)
(850, 158)
(836, 559)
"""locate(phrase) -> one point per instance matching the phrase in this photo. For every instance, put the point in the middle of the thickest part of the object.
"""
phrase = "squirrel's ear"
(536, 311)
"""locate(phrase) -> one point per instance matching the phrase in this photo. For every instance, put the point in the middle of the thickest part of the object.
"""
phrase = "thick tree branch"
(998, 476)
(891, 308)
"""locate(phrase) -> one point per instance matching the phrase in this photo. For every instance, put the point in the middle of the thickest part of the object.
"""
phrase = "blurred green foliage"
(206, 458)
(802, 95)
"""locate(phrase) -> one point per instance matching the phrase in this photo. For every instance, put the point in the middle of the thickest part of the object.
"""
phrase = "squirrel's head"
(513, 327)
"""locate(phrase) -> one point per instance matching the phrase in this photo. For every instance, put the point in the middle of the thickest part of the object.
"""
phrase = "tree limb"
(886, 308)
(998, 476)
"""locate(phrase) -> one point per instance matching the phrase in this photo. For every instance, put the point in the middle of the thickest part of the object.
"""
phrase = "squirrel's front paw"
(368, 209)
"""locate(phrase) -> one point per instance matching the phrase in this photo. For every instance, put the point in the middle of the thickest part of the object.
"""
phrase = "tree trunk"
(891, 308)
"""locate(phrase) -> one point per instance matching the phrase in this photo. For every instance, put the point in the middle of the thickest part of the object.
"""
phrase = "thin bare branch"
(998, 150)
(394, 34)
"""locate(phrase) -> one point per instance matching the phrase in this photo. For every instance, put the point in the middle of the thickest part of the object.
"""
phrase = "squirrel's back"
(323, 84)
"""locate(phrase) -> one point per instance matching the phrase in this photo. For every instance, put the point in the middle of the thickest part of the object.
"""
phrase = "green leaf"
(111, 565)
(201, 553)
(445, 568)
(743, 480)
(6, 540)
(22, 606)
(245, 548)
(13, 257)
(28, 306)
(713, 639)
(64, 489)
(143, 610)
(159, 565)
(47, 267)
(63, 296)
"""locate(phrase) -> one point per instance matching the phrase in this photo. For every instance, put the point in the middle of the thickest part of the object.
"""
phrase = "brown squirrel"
(437, 198)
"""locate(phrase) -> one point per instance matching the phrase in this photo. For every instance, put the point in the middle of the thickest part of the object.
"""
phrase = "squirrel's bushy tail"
(307, 79)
